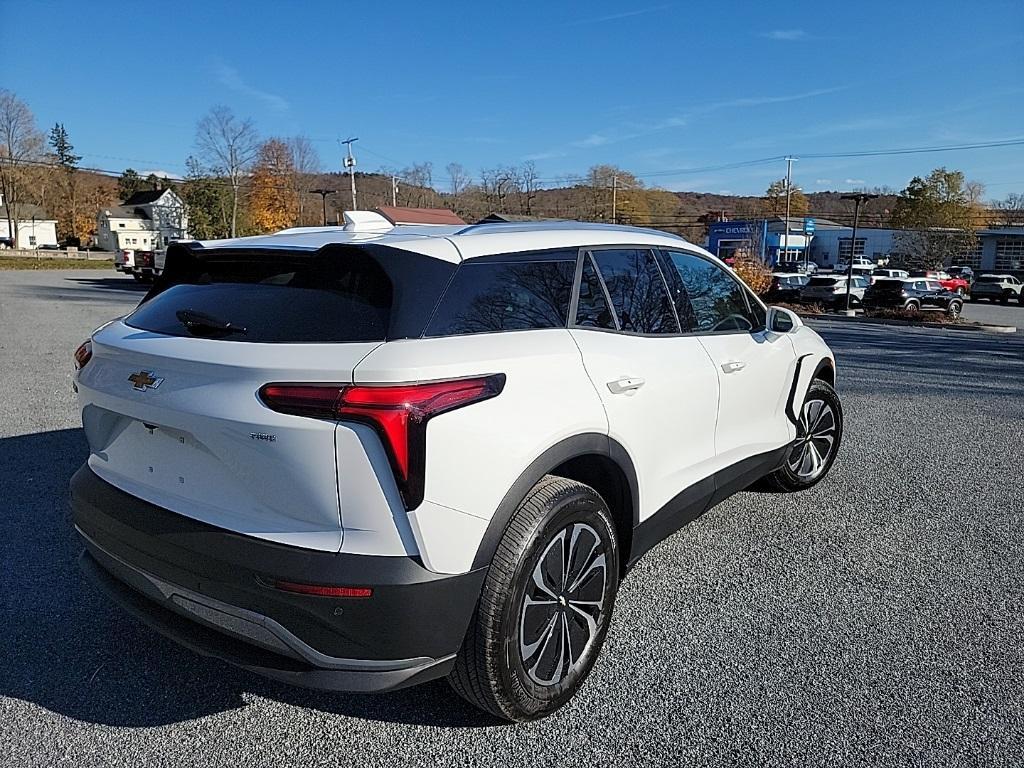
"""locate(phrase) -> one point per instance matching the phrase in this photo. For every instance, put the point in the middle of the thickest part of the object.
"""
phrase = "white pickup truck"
(142, 265)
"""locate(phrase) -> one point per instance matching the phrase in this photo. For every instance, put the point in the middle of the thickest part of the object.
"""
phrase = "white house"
(146, 221)
(34, 227)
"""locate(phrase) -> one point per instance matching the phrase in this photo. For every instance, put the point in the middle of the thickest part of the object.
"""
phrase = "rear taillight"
(398, 412)
(83, 355)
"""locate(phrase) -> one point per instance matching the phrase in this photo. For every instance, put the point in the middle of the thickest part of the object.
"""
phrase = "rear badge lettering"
(263, 436)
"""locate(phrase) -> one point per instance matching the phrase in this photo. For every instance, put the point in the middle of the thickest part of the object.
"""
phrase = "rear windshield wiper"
(201, 324)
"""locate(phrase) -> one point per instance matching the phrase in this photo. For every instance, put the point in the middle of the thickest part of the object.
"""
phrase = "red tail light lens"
(83, 355)
(399, 413)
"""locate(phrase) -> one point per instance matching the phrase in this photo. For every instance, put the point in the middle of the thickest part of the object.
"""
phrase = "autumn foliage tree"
(273, 200)
(774, 201)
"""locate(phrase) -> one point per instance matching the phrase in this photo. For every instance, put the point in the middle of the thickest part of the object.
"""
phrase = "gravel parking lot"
(874, 620)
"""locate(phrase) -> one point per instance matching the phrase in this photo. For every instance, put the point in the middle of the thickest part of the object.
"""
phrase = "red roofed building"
(440, 216)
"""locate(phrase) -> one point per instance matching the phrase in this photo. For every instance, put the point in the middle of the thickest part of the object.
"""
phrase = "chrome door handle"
(625, 384)
(734, 366)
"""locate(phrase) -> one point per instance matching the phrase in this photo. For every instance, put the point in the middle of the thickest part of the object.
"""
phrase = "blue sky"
(652, 87)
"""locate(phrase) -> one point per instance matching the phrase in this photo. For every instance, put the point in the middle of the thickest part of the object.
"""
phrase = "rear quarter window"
(518, 294)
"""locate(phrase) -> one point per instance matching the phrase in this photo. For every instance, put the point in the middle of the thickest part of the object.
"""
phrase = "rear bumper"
(208, 589)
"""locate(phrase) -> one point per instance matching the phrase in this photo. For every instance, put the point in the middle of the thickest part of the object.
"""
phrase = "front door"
(658, 387)
(755, 366)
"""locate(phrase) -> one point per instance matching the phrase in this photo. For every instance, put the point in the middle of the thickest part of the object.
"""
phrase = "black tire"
(912, 307)
(786, 479)
(972, 298)
(490, 671)
(1005, 298)
(954, 309)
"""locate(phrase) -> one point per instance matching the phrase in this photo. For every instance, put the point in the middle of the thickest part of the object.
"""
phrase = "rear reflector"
(323, 591)
(397, 412)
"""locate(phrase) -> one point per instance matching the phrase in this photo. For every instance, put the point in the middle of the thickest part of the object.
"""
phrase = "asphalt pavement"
(874, 620)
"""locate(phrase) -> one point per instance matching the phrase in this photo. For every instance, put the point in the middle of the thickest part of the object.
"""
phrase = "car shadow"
(119, 283)
(68, 649)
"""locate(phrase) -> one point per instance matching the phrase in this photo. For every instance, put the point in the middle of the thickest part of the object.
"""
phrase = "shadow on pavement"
(66, 648)
(118, 283)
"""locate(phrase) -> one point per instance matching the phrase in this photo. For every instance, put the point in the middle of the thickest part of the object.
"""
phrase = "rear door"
(754, 366)
(658, 386)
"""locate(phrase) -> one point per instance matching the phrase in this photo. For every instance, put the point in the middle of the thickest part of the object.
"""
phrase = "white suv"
(363, 457)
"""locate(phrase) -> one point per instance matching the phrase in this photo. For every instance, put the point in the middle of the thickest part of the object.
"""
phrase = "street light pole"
(858, 198)
(350, 163)
(323, 198)
(789, 187)
(615, 199)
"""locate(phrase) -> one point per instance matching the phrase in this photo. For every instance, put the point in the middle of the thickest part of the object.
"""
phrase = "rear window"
(488, 296)
(889, 285)
(823, 281)
(989, 279)
(335, 295)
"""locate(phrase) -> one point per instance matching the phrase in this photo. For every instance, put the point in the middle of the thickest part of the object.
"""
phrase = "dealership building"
(826, 243)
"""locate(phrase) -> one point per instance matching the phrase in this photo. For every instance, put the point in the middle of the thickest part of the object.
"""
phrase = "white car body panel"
(754, 372)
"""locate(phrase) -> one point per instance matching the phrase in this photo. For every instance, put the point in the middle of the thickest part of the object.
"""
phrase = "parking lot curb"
(912, 323)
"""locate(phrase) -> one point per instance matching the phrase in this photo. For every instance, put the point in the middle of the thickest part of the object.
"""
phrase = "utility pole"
(394, 191)
(615, 198)
(350, 163)
(323, 195)
(789, 187)
(858, 198)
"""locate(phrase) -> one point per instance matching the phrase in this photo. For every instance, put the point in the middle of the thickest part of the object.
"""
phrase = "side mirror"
(781, 320)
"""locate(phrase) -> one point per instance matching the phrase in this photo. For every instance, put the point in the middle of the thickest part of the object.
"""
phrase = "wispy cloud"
(853, 181)
(230, 78)
(785, 35)
(594, 140)
(618, 16)
(634, 130)
(551, 155)
(823, 181)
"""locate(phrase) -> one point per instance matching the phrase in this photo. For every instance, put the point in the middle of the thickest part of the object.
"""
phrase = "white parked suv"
(363, 457)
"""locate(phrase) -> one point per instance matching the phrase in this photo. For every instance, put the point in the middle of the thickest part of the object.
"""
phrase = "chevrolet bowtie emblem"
(144, 380)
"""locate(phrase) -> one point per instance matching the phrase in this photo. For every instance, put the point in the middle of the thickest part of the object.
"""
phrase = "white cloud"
(230, 78)
(787, 35)
(823, 181)
(853, 181)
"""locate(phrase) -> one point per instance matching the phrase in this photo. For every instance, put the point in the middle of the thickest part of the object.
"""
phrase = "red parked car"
(955, 284)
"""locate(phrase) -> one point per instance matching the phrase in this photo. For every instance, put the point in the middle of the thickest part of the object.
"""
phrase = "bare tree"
(21, 144)
(228, 145)
(527, 186)
(305, 163)
(1010, 211)
(459, 178)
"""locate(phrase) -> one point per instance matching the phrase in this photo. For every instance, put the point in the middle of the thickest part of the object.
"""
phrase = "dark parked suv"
(913, 295)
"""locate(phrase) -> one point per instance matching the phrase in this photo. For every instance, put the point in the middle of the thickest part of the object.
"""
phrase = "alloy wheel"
(816, 440)
(561, 612)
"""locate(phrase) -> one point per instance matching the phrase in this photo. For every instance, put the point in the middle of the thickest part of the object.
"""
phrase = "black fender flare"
(569, 448)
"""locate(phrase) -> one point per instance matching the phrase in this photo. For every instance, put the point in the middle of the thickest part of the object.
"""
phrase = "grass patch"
(926, 316)
(21, 262)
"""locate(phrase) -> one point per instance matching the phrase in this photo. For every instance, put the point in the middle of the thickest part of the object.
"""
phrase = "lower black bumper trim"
(213, 644)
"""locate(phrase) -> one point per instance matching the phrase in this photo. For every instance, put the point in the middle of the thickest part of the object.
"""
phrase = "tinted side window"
(719, 302)
(637, 290)
(487, 296)
(592, 310)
